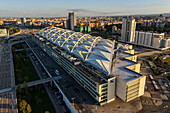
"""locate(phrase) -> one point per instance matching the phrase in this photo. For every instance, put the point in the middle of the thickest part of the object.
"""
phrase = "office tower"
(128, 30)
(23, 21)
(72, 20)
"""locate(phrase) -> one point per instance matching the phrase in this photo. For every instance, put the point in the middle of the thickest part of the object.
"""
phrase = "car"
(56, 93)
(37, 63)
(45, 76)
(44, 73)
(60, 101)
(163, 82)
(166, 85)
(57, 72)
(58, 97)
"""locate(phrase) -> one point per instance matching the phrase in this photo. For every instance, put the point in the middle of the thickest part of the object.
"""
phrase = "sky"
(60, 8)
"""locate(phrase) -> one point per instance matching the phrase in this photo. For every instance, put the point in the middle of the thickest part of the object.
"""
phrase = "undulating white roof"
(94, 50)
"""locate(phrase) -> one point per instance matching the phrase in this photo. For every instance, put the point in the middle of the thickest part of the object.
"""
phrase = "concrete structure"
(156, 39)
(146, 39)
(85, 29)
(3, 32)
(165, 43)
(23, 21)
(104, 68)
(72, 20)
(128, 30)
(153, 40)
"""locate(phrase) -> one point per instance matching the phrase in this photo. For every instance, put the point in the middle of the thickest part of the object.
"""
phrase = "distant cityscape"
(111, 64)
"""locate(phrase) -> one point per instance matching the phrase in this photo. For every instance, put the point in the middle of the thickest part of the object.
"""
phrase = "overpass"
(37, 82)
(29, 84)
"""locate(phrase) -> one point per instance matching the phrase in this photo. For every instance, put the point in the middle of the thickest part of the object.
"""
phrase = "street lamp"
(96, 105)
(73, 99)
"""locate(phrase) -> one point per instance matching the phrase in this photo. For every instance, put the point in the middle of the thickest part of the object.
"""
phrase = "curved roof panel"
(94, 50)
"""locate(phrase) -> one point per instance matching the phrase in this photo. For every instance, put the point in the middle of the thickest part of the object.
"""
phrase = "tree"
(22, 106)
(19, 90)
(151, 58)
(29, 108)
(25, 87)
(24, 51)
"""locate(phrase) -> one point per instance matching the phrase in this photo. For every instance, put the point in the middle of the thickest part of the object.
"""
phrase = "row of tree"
(24, 107)
(11, 30)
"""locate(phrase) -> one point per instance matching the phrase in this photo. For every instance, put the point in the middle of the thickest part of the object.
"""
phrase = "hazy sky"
(60, 8)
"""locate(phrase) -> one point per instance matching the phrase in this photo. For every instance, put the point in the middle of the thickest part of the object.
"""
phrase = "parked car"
(166, 85)
(56, 93)
(57, 72)
(60, 101)
(59, 96)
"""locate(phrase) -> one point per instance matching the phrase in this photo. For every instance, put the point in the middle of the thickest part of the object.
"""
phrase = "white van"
(57, 72)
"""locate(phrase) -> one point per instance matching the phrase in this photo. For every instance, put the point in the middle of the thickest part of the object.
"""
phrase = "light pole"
(73, 99)
(96, 105)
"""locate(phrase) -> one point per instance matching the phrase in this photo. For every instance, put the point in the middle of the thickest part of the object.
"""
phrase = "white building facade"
(128, 30)
(147, 39)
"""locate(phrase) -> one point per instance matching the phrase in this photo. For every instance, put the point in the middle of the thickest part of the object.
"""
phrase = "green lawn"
(38, 99)
(167, 60)
(24, 69)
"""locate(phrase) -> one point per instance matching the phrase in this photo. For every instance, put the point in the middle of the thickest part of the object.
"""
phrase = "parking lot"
(5, 77)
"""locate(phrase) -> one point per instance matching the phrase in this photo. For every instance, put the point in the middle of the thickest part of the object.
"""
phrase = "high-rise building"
(128, 30)
(72, 20)
(23, 21)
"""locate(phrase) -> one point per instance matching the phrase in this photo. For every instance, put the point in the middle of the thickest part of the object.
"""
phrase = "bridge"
(37, 82)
